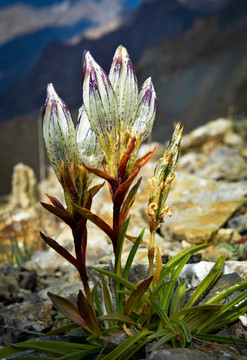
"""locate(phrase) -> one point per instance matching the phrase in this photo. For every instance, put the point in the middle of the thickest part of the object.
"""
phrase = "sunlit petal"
(58, 131)
(89, 148)
(146, 110)
(124, 83)
(100, 104)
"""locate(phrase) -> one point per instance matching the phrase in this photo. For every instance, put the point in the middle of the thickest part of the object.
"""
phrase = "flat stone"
(201, 207)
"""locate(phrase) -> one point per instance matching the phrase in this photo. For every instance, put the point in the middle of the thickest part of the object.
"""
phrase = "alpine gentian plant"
(113, 122)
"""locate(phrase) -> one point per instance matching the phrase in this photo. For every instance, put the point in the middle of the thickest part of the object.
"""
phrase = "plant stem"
(116, 228)
(151, 253)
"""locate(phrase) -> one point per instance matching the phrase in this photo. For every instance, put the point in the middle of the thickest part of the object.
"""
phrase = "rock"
(224, 164)
(201, 207)
(239, 223)
(195, 273)
(214, 130)
(24, 187)
(230, 236)
(200, 352)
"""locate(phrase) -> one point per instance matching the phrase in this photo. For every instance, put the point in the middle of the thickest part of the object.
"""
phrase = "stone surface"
(203, 352)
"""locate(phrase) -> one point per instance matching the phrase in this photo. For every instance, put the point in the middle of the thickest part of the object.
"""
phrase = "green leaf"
(95, 296)
(220, 339)
(172, 263)
(222, 313)
(227, 292)
(129, 353)
(132, 255)
(107, 297)
(84, 354)
(117, 317)
(117, 267)
(163, 341)
(196, 309)
(136, 295)
(62, 329)
(95, 219)
(167, 294)
(88, 314)
(159, 334)
(206, 282)
(60, 250)
(125, 346)
(178, 298)
(186, 329)
(162, 315)
(68, 309)
(115, 277)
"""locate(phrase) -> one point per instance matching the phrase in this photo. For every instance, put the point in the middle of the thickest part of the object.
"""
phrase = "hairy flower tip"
(146, 110)
(123, 80)
(58, 131)
(100, 103)
(164, 175)
(89, 148)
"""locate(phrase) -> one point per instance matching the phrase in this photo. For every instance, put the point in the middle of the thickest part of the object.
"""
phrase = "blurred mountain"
(202, 74)
(60, 62)
(27, 26)
(195, 52)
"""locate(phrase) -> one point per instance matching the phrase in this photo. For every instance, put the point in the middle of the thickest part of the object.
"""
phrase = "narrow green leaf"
(163, 341)
(122, 348)
(172, 263)
(62, 329)
(162, 315)
(95, 296)
(68, 309)
(117, 267)
(37, 347)
(132, 255)
(206, 282)
(220, 339)
(33, 358)
(227, 292)
(196, 309)
(167, 294)
(178, 298)
(117, 317)
(129, 353)
(115, 277)
(186, 329)
(136, 295)
(159, 334)
(107, 299)
(84, 354)
(223, 311)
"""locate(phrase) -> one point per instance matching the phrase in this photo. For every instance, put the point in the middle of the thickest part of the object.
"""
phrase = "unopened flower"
(164, 175)
(115, 111)
(68, 146)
